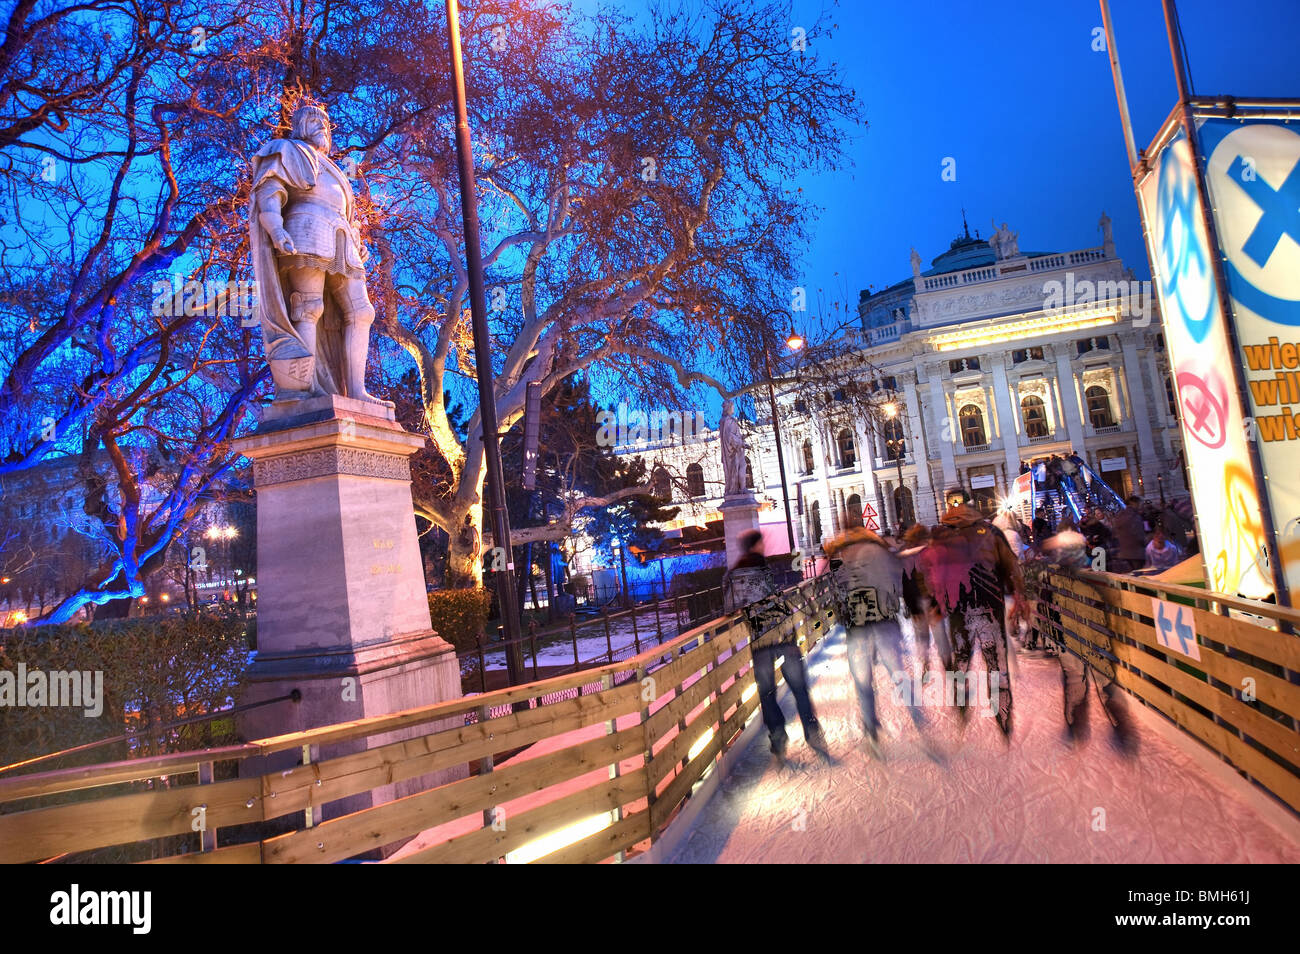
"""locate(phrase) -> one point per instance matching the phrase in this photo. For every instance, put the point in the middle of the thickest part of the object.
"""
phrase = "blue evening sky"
(1014, 92)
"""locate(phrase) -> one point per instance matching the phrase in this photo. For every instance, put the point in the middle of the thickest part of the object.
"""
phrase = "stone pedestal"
(342, 611)
(739, 513)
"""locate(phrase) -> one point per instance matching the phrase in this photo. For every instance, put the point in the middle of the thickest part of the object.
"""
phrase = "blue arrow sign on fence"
(1175, 627)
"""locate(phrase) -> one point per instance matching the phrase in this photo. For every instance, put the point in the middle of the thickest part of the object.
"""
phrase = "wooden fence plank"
(595, 848)
(74, 779)
(81, 826)
(680, 787)
(487, 844)
(410, 758)
(1277, 648)
(1223, 740)
(1268, 688)
(1280, 738)
(1146, 584)
(247, 854)
(352, 834)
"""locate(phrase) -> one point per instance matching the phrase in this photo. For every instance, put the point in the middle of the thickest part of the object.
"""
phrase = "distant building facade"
(989, 360)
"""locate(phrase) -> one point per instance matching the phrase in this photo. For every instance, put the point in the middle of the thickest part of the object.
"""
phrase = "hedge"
(460, 616)
(155, 670)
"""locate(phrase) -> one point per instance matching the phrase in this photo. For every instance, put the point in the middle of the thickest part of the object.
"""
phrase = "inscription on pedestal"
(327, 461)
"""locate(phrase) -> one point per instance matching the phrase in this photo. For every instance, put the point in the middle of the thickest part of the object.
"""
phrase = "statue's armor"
(317, 220)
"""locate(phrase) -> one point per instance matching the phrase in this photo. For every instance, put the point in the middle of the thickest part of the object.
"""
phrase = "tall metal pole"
(780, 456)
(1117, 77)
(1281, 594)
(496, 488)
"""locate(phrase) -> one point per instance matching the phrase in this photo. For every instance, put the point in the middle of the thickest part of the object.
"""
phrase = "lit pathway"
(1034, 801)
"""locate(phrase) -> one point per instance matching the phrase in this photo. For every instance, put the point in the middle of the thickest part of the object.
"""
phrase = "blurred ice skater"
(867, 580)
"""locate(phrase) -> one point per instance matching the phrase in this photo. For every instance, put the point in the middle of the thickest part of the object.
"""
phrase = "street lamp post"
(794, 342)
(496, 487)
(622, 560)
(897, 445)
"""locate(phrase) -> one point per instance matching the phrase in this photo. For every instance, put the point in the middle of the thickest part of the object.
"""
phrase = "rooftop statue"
(1005, 243)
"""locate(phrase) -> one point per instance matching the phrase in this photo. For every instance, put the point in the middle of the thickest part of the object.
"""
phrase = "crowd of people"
(954, 581)
(960, 585)
(1140, 538)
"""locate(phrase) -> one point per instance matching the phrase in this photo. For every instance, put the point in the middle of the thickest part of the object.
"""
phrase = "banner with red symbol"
(1224, 488)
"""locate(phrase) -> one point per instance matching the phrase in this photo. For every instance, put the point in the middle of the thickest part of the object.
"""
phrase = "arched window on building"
(662, 485)
(807, 456)
(749, 473)
(695, 480)
(1099, 406)
(854, 506)
(895, 446)
(815, 522)
(903, 513)
(848, 456)
(972, 426)
(1034, 412)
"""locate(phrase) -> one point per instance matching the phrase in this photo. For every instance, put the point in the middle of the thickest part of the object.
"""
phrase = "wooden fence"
(1224, 669)
(609, 755)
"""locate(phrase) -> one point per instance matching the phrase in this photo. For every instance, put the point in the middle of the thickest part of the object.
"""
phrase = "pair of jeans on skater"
(796, 677)
(866, 645)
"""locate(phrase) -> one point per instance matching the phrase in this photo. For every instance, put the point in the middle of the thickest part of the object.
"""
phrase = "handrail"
(1254, 607)
(294, 696)
(668, 714)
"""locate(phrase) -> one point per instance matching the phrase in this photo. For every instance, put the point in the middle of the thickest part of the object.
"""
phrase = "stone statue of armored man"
(309, 264)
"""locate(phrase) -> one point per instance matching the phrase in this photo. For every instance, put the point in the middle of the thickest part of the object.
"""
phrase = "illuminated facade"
(989, 359)
(986, 360)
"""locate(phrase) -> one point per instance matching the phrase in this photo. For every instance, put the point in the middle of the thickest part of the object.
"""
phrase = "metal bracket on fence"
(607, 682)
(485, 766)
(207, 837)
(306, 760)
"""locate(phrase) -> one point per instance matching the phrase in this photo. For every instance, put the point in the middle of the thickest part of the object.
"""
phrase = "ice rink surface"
(967, 796)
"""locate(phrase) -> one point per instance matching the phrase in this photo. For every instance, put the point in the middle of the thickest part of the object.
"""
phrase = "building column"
(944, 419)
(870, 486)
(1006, 418)
(821, 459)
(1068, 389)
(1137, 396)
(916, 443)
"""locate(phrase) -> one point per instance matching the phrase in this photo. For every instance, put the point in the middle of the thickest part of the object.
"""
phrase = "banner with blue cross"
(1252, 174)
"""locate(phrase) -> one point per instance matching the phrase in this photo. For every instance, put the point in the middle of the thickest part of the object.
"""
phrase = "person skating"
(970, 570)
(751, 588)
(1129, 530)
(927, 621)
(867, 582)
(1080, 661)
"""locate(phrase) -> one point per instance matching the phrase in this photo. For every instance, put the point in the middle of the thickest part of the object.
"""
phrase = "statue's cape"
(294, 166)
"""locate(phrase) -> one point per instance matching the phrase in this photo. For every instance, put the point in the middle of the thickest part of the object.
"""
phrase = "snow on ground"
(976, 799)
(591, 641)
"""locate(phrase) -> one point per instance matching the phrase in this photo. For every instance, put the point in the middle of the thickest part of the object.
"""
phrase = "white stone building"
(988, 359)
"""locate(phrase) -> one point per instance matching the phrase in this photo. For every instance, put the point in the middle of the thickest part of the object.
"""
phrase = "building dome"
(964, 252)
